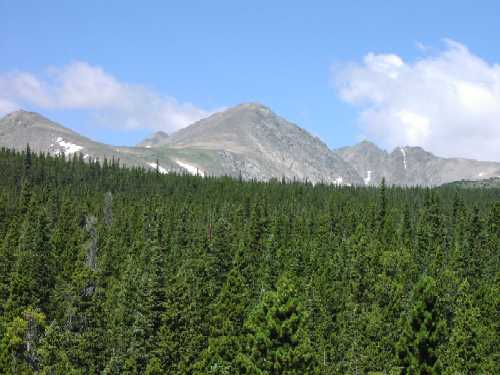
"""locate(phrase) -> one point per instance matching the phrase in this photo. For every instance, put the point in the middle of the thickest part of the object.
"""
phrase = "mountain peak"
(415, 151)
(17, 112)
(364, 147)
(160, 134)
(365, 144)
(251, 107)
(158, 138)
(26, 119)
(264, 145)
(22, 114)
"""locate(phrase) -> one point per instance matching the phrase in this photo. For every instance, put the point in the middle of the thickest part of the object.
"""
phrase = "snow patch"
(481, 174)
(68, 147)
(148, 146)
(403, 151)
(368, 177)
(160, 168)
(190, 168)
(339, 181)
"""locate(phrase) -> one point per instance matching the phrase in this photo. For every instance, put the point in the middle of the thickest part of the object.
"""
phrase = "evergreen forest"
(109, 270)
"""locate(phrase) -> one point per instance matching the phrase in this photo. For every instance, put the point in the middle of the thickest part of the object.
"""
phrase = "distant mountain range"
(410, 166)
(250, 141)
(493, 182)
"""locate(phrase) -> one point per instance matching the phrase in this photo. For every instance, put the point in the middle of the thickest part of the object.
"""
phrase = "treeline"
(106, 270)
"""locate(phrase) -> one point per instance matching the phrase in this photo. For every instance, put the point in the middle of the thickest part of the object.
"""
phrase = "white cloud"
(447, 102)
(82, 86)
(7, 106)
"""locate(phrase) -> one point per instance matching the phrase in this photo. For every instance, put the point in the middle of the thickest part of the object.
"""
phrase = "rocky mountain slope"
(413, 166)
(20, 128)
(250, 141)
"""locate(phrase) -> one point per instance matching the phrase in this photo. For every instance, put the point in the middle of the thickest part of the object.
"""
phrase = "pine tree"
(464, 352)
(430, 236)
(278, 340)
(26, 183)
(8, 249)
(422, 332)
(492, 256)
(406, 231)
(177, 274)
(382, 209)
(19, 347)
(226, 342)
(54, 358)
(31, 279)
(220, 249)
(475, 248)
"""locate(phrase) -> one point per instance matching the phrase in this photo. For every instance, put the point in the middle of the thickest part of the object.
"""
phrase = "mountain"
(409, 166)
(248, 141)
(493, 182)
(21, 128)
(157, 139)
(251, 140)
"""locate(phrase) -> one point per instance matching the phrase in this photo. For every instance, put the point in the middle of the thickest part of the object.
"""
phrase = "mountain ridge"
(156, 139)
(269, 145)
(252, 142)
(412, 165)
(20, 128)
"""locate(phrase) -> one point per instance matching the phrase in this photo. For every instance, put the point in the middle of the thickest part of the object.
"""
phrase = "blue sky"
(307, 61)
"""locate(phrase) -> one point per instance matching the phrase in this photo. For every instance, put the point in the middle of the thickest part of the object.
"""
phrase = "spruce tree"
(278, 340)
(475, 248)
(19, 346)
(31, 278)
(422, 331)
(177, 274)
(226, 342)
(464, 352)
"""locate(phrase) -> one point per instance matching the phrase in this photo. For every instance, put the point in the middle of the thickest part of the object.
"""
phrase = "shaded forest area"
(106, 270)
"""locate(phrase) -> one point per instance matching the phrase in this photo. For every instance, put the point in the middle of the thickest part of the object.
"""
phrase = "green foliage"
(465, 353)
(423, 331)
(122, 271)
(278, 340)
(20, 344)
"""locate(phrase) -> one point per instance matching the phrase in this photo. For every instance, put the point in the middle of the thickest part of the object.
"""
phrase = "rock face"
(410, 166)
(250, 141)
